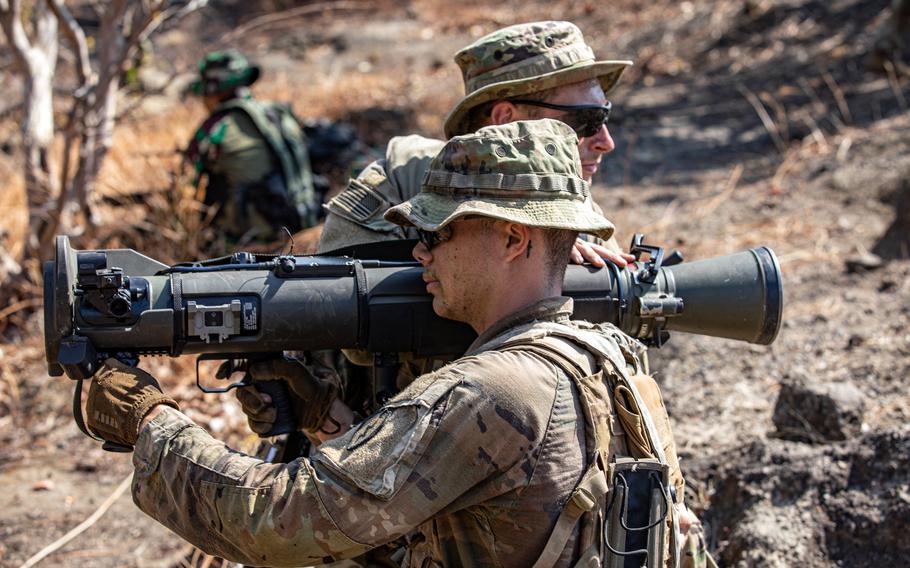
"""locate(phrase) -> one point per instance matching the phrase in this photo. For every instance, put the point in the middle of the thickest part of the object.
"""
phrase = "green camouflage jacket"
(472, 464)
(254, 156)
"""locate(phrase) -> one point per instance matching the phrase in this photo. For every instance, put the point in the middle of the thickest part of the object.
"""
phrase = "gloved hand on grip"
(119, 398)
(312, 391)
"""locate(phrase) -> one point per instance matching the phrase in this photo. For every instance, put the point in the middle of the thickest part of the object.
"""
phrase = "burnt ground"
(743, 123)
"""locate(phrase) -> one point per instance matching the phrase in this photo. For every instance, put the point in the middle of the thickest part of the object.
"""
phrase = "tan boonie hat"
(526, 172)
(522, 59)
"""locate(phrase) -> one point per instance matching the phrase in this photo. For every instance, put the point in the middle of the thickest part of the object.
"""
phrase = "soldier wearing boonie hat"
(532, 70)
(500, 458)
(252, 155)
(525, 71)
(524, 59)
(544, 64)
(525, 172)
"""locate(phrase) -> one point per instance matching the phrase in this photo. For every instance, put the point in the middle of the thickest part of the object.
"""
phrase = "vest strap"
(590, 490)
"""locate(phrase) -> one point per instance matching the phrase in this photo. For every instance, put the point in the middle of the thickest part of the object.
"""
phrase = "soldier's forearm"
(230, 504)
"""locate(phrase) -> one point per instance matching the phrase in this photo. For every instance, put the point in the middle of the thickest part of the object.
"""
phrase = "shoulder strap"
(595, 342)
(599, 345)
(593, 486)
(590, 490)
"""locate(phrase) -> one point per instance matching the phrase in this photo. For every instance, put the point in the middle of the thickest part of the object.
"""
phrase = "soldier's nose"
(421, 253)
(602, 141)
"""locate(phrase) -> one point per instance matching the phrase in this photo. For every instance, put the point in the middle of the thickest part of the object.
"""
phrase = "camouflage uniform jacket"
(229, 149)
(355, 215)
(258, 181)
(472, 464)
(228, 144)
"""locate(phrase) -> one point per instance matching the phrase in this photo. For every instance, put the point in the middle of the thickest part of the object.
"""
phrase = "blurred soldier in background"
(253, 155)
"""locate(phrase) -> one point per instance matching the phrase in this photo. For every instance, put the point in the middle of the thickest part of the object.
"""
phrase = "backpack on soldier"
(624, 502)
(282, 132)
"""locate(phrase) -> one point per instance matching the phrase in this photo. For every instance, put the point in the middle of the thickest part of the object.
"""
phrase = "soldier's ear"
(503, 112)
(518, 240)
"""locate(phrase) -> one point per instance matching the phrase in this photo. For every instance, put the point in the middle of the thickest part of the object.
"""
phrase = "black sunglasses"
(432, 238)
(585, 120)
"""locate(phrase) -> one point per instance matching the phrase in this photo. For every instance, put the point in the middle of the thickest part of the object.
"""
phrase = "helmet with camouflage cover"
(527, 172)
(223, 71)
(523, 59)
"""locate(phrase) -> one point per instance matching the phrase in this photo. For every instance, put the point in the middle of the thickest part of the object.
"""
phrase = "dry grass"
(144, 151)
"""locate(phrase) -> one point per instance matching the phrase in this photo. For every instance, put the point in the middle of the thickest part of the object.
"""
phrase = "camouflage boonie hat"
(222, 71)
(527, 172)
(522, 59)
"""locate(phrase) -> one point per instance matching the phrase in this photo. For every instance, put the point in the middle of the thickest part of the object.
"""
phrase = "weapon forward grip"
(277, 389)
(285, 420)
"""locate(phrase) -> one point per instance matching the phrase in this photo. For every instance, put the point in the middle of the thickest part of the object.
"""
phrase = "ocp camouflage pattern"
(480, 60)
(524, 59)
(472, 464)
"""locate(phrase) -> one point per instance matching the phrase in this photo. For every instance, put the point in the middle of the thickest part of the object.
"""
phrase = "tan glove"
(119, 398)
(311, 392)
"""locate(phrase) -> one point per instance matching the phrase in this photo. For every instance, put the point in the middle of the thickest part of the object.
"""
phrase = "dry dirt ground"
(742, 124)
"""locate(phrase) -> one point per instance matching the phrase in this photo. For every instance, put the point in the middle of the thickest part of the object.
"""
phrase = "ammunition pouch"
(638, 507)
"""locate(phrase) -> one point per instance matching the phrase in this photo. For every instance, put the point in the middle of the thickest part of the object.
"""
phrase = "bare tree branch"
(74, 33)
(11, 13)
(284, 16)
(124, 25)
(37, 59)
(171, 13)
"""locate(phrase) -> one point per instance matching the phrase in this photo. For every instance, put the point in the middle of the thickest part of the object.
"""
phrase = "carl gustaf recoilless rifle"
(121, 303)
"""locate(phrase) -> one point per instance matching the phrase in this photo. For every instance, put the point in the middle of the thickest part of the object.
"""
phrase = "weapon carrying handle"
(650, 269)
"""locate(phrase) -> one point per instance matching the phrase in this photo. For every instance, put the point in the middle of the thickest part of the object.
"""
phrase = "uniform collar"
(557, 308)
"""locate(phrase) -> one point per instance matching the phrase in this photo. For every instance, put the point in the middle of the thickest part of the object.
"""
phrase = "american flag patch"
(358, 202)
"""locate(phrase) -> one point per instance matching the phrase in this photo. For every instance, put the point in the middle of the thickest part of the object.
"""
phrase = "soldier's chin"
(588, 171)
(439, 307)
(444, 310)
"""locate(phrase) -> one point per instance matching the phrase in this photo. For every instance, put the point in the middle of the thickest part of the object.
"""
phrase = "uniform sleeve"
(448, 441)
(425, 449)
(232, 505)
(355, 216)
